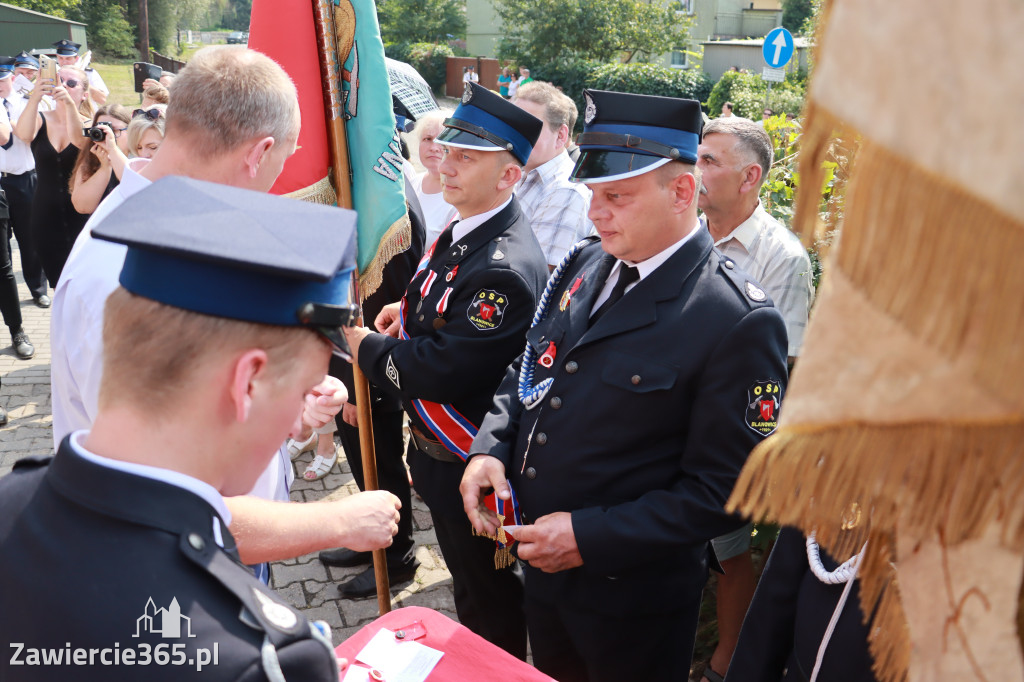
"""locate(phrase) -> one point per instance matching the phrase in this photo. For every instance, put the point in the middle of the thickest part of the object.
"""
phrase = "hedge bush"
(747, 93)
(430, 59)
(644, 79)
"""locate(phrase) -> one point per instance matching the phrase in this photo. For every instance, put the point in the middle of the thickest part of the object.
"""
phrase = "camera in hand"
(95, 133)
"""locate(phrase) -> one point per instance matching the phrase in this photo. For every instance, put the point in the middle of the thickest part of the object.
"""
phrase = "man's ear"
(684, 192)
(249, 368)
(751, 179)
(563, 136)
(254, 156)
(510, 175)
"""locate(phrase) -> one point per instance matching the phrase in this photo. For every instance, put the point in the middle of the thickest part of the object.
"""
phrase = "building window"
(684, 6)
(680, 60)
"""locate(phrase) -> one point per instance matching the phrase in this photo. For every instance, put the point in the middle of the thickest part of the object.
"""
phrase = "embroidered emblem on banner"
(467, 94)
(487, 309)
(392, 373)
(763, 400)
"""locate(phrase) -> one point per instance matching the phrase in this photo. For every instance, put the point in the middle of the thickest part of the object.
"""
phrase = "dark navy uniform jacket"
(458, 357)
(788, 619)
(90, 557)
(647, 424)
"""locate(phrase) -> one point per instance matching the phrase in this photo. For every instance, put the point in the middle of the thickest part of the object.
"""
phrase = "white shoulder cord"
(847, 573)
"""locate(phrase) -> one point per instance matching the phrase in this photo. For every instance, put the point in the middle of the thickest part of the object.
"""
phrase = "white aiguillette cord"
(846, 573)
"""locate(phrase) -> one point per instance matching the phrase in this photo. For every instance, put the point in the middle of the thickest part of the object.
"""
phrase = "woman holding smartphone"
(54, 137)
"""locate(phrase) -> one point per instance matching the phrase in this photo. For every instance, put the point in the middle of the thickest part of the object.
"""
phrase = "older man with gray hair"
(735, 156)
(557, 209)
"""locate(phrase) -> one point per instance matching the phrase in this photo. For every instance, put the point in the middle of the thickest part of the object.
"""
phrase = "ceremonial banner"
(375, 154)
(903, 426)
(284, 31)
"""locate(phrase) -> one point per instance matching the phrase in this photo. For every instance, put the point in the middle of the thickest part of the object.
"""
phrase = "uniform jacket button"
(542, 438)
(196, 541)
(556, 403)
(571, 367)
(531, 473)
(636, 379)
(421, 318)
(729, 264)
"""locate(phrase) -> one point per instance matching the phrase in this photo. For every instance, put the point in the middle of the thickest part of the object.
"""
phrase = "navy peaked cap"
(487, 121)
(238, 254)
(625, 135)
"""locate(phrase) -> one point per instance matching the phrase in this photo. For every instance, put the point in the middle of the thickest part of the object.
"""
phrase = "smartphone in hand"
(48, 69)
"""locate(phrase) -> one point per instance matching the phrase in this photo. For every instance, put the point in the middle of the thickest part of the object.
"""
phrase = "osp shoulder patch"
(763, 401)
(487, 309)
(392, 373)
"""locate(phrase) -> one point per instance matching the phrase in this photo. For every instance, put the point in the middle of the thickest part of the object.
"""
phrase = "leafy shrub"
(430, 59)
(645, 79)
(747, 93)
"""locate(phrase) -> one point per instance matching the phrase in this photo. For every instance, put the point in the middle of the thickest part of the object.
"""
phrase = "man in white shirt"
(555, 207)
(18, 181)
(735, 157)
(250, 154)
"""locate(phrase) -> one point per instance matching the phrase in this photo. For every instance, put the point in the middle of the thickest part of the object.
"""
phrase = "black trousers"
(10, 306)
(573, 642)
(488, 601)
(20, 190)
(391, 475)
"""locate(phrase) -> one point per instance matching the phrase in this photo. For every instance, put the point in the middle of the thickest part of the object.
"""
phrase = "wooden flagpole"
(332, 57)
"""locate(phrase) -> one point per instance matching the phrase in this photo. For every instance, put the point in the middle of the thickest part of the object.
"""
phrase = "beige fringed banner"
(904, 421)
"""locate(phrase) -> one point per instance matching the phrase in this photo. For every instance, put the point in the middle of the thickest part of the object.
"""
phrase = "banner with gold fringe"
(906, 404)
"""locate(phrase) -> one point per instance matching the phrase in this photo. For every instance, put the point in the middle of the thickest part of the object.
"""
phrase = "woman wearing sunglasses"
(146, 132)
(99, 169)
(55, 138)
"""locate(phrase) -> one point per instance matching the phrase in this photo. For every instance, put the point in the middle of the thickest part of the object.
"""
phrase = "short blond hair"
(154, 353)
(226, 96)
(559, 109)
(158, 93)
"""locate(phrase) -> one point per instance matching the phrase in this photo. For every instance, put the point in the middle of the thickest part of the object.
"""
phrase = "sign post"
(777, 50)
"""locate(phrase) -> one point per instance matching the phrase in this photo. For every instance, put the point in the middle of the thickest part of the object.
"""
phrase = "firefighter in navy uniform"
(623, 426)
(115, 555)
(447, 344)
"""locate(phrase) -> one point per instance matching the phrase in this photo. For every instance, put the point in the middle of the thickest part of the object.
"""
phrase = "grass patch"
(121, 80)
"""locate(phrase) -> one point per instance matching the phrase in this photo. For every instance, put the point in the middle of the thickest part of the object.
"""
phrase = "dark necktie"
(7, 106)
(627, 275)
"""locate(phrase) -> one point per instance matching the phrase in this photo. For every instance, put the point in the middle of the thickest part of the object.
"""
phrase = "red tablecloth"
(467, 656)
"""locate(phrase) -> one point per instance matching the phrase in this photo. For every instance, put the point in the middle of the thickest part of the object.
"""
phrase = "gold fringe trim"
(503, 552)
(320, 192)
(964, 294)
(962, 478)
(396, 240)
(820, 131)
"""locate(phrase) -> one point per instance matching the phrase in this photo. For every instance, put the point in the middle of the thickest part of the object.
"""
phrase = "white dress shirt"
(18, 159)
(556, 208)
(76, 334)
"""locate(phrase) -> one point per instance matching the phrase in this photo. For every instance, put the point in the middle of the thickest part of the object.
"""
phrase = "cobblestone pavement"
(305, 582)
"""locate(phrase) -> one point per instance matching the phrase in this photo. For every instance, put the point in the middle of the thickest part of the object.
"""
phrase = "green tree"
(108, 30)
(57, 8)
(539, 32)
(795, 13)
(421, 21)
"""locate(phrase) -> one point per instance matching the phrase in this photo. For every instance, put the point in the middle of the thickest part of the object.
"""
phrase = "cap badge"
(467, 94)
(591, 111)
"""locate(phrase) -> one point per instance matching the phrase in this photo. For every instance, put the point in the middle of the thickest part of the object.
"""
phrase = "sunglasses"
(70, 83)
(151, 114)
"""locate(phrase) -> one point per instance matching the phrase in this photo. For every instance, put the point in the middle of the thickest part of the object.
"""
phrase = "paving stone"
(293, 594)
(286, 575)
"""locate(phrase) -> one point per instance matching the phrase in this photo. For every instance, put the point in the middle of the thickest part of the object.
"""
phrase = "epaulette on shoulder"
(751, 291)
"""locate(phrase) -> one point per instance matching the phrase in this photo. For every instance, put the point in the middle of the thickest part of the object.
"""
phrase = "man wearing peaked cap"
(445, 347)
(247, 154)
(212, 341)
(67, 55)
(654, 367)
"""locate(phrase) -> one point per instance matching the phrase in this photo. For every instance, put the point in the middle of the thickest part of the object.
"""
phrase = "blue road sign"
(778, 47)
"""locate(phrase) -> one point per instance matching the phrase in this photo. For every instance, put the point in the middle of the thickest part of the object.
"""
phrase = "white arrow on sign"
(780, 44)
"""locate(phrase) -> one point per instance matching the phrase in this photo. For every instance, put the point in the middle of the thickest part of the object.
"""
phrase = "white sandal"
(296, 448)
(320, 467)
